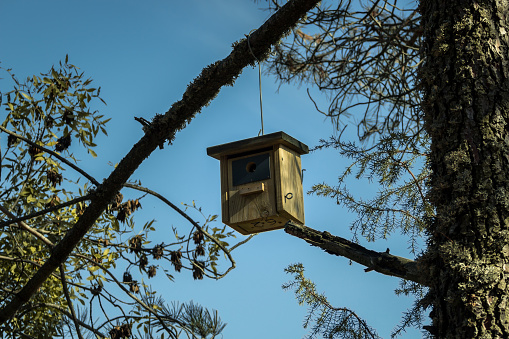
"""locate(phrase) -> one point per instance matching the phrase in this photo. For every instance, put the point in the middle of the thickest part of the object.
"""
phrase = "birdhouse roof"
(253, 144)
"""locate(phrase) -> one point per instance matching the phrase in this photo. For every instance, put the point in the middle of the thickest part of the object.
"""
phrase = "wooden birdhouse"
(261, 182)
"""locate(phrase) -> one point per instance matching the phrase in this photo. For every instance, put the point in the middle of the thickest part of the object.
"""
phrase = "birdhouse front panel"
(251, 193)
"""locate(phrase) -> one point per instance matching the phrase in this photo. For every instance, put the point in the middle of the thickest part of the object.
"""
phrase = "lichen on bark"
(465, 102)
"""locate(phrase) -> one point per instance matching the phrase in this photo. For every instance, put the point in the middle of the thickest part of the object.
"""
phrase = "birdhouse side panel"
(289, 191)
(225, 214)
(251, 200)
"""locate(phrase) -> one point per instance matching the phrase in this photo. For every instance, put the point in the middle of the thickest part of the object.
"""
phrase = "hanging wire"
(259, 82)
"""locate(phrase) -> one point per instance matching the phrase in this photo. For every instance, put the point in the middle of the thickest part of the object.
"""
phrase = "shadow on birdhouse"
(261, 182)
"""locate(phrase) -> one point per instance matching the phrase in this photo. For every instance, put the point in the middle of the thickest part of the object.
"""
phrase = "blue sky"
(143, 54)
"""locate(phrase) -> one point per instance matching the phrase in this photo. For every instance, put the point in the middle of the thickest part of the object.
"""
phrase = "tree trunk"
(464, 80)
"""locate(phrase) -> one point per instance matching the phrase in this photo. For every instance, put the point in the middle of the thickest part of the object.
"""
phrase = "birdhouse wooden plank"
(261, 182)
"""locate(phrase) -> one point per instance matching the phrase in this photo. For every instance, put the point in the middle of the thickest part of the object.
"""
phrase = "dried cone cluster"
(135, 244)
(134, 287)
(152, 271)
(126, 209)
(123, 331)
(63, 143)
(127, 278)
(68, 117)
(54, 177)
(104, 242)
(198, 240)
(198, 267)
(158, 252)
(34, 151)
(11, 140)
(117, 201)
(49, 121)
(143, 263)
(133, 284)
(197, 237)
(175, 257)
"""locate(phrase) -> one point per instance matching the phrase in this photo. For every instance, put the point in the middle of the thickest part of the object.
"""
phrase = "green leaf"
(28, 97)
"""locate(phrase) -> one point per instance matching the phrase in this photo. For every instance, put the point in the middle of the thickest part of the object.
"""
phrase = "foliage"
(360, 54)
(400, 203)
(327, 321)
(50, 125)
(49, 110)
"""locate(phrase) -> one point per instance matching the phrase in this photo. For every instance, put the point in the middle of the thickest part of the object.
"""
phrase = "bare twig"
(69, 301)
(67, 314)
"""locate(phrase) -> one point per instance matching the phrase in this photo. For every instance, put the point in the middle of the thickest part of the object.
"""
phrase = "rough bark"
(199, 93)
(464, 80)
(381, 262)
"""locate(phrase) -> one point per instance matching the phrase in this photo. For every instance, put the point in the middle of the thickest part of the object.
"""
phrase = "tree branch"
(192, 222)
(39, 213)
(382, 262)
(199, 93)
(27, 228)
(69, 301)
(140, 302)
(55, 154)
(68, 315)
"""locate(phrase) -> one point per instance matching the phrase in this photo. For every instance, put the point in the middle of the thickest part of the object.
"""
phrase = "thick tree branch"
(199, 93)
(382, 262)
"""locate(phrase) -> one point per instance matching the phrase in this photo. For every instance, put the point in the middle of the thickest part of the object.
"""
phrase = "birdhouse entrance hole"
(251, 168)
(258, 177)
